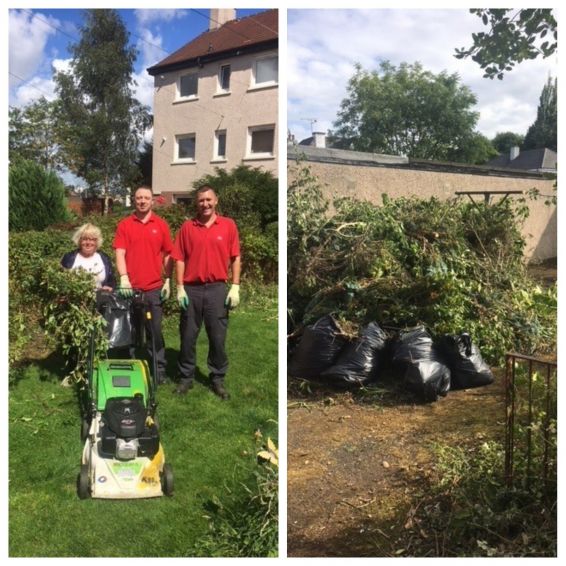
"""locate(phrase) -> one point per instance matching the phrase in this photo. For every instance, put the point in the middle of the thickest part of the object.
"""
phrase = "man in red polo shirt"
(143, 248)
(205, 247)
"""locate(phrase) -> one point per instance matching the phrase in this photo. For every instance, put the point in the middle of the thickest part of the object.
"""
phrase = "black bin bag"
(319, 346)
(420, 364)
(359, 361)
(116, 312)
(466, 364)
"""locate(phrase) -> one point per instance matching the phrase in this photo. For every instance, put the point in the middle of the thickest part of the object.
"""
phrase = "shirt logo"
(219, 237)
(154, 231)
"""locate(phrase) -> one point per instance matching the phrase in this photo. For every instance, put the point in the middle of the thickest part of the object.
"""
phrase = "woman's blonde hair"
(89, 230)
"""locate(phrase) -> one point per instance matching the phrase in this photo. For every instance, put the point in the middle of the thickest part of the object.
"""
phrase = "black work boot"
(184, 385)
(218, 388)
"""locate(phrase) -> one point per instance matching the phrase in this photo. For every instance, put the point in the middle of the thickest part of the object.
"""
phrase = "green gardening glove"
(125, 290)
(182, 297)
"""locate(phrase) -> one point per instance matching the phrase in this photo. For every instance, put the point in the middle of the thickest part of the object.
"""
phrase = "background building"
(215, 102)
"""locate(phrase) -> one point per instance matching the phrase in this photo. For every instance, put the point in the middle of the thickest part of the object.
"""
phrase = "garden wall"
(367, 176)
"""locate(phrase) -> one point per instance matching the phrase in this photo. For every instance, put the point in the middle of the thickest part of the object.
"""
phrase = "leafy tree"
(542, 133)
(477, 149)
(33, 134)
(407, 111)
(145, 164)
(36, 197)
(514, 35)
(102, 123)
(504, 141)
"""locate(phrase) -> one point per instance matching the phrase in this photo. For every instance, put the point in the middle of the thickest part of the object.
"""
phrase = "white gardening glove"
(165, 290)
(233, 298)
(182, 297)
(125, 290)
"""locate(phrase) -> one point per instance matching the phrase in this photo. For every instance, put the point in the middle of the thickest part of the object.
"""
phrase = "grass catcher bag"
(466, 364)
(360, 360)
(116, 312)
(319, 346)
(417, 360)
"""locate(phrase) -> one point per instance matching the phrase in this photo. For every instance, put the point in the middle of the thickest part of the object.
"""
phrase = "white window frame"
(258, 155)
(264, 84)
(216, 156)
(178, 138)
(190, 96)
(219, 88)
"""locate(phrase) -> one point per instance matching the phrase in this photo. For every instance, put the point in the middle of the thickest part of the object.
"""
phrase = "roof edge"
(216, 56)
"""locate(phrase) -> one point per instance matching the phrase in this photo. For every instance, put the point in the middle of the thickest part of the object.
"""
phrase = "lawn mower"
(122, 457)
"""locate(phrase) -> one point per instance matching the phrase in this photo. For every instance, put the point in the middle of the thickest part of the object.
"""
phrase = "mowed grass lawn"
(210, 443)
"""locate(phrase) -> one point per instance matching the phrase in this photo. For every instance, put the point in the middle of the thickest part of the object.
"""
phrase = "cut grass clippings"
(209, 442)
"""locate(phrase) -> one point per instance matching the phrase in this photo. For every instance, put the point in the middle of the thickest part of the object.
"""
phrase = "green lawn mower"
(122, 457)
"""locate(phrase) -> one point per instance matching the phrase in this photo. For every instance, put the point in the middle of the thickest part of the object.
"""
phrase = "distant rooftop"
(543, 159)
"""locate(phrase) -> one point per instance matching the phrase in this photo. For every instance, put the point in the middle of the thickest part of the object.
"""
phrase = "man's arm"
(180, 271)
(121, 262)
(168, 266)
(125, 287)
(236, 267)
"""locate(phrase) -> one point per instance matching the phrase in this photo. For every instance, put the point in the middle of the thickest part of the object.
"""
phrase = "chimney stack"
(319, 139)
(514, 152)
(219, 16)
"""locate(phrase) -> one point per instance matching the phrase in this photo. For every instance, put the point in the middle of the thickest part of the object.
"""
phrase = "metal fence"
(531, 412)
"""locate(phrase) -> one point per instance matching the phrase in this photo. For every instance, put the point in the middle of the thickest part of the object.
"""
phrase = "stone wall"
(343, 173)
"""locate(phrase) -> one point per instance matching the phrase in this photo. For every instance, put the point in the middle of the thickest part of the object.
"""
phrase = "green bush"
(245, 193)
(36, 197)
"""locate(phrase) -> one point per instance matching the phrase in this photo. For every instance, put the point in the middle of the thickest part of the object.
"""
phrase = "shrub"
(36, 197)
(245, 192)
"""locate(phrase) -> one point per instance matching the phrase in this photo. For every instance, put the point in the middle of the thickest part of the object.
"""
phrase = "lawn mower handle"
(152, 399)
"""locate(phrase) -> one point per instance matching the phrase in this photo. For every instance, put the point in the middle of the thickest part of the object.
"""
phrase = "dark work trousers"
(152, 301)
(206, 304)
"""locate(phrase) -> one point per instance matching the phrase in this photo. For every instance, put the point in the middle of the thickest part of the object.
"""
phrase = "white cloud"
(146, 17)
(32, 90)
(323, 46)
(150, 47)
(28, 36)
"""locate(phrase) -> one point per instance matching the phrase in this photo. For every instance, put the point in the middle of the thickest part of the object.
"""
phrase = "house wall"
(235, 112)
(369, 182)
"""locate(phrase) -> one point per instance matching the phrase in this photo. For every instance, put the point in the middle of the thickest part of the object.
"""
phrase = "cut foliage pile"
(452, 266)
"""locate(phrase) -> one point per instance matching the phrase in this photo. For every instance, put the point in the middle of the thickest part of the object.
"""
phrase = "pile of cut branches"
(453, 266)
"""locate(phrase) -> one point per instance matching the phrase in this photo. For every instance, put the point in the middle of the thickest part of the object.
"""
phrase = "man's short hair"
(144, 187)
(203, 189)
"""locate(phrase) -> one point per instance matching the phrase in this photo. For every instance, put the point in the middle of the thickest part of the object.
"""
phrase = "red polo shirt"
(146, 245)
(207, 251)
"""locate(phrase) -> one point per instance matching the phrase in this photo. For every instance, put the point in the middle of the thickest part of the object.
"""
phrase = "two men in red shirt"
(206, 247)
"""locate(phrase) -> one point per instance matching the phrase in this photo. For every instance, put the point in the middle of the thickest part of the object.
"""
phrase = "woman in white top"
(88, 239)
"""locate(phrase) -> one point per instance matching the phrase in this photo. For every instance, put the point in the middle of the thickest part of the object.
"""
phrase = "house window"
(224, 78)
(220, 144)
(265, 71)
(261, 141)
(186, 146)
(188, 85)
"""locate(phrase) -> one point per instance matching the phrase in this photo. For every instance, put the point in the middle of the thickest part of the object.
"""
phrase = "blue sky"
(323, 45)
(39, 38)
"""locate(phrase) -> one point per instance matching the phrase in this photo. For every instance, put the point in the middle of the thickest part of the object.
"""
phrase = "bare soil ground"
(359, 463)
